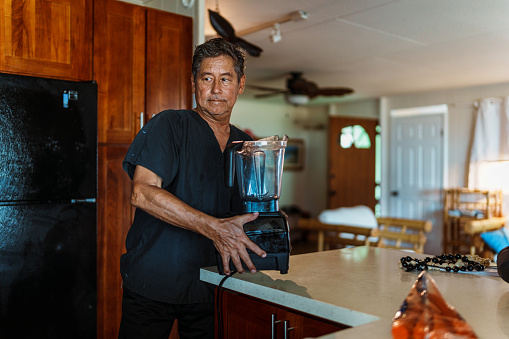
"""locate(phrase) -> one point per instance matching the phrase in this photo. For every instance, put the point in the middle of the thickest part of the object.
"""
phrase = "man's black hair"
(218, 47)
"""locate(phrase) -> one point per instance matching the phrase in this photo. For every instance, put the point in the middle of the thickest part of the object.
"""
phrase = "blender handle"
(229, 162)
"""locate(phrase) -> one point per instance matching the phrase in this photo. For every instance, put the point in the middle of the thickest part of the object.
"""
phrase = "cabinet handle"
(286, 328)
(273, 324)
(142, 120)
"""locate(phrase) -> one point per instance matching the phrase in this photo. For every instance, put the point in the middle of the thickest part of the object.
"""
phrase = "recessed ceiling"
(376, 47)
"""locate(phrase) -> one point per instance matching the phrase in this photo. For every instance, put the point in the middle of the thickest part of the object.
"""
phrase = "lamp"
(297, 99)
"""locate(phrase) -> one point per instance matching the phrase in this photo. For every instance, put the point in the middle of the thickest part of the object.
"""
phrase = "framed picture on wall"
(294, 155)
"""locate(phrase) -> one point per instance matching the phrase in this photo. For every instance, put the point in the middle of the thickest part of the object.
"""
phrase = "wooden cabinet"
(142, 64)
(141, 61)
(169, 57)
(246, 317)
(113, 222)
(48, 38)
(119, 69)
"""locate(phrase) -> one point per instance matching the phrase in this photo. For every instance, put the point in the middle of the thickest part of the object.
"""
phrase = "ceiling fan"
(299, 90)
(227, 32)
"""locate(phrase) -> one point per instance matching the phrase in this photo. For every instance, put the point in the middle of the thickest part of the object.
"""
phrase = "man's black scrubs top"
(163, 261)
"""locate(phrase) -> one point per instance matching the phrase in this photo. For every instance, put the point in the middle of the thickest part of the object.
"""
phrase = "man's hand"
(231, 242)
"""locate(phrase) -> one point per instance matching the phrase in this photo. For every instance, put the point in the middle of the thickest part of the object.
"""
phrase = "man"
(176, 165)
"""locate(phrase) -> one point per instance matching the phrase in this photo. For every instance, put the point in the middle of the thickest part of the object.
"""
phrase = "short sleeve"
(156, 148)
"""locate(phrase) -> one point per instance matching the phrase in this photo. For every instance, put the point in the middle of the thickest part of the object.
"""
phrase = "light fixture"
(297, 99)
(293, 16)
(275, 34)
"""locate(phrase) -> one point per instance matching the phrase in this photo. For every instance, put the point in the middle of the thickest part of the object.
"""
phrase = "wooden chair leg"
(321, 240)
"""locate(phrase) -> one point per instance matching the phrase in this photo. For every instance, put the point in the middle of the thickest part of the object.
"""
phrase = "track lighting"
(293, 16)
(275, 34)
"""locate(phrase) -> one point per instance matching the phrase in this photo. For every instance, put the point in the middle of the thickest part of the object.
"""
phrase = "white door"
(416, 172)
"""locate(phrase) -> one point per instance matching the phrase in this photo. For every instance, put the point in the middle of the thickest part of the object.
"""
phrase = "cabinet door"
(243, 317)
(50, 38)
(113, 221)
(169, 58)
(246, 317)
(119, 69)
(315, 327)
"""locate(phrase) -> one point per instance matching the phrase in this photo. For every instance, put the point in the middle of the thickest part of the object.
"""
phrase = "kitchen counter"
(363, 287)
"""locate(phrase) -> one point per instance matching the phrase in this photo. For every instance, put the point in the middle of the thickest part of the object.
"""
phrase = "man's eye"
(225, 80)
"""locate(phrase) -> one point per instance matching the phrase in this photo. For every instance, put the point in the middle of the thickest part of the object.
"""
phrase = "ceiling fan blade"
(221, 26)
(253, 50)
(338, 91)
(267, 95)
(263, 88)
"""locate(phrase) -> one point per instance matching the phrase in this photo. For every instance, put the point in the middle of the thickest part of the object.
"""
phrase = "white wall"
(305, 188)
(461, 121)
(308, 188)
(361, 108)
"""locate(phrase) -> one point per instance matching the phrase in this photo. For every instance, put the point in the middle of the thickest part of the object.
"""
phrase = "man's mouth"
(216, 100)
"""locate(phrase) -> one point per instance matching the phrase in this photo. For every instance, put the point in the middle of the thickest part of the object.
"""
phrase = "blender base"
(270, 231)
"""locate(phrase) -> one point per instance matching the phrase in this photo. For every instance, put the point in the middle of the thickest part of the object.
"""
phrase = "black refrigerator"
(48, 215)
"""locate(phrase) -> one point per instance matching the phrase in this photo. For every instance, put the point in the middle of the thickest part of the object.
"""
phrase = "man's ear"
(192, 83)
(242, 84)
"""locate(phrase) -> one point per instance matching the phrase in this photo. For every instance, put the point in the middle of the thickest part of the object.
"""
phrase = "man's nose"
(216, 86)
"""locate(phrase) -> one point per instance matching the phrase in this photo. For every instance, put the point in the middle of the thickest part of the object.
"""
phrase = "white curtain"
(491, 136)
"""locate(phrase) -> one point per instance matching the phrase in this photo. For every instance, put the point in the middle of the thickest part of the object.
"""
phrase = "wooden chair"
(328, 234)
(467, 214)
(402, 233)
(474, 227)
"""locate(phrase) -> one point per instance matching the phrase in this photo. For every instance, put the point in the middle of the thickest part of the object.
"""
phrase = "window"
(354, 135)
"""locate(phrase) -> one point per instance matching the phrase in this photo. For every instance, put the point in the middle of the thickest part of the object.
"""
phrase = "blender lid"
(268, 141)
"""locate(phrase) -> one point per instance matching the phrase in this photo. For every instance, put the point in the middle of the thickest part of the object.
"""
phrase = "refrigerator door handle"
(77, 201)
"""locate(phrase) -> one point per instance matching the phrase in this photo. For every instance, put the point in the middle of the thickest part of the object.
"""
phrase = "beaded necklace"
(448, 262)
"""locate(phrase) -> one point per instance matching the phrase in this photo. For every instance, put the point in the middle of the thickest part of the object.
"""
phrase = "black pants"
(143, 318)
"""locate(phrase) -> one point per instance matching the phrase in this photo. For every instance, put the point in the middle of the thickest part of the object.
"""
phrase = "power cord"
(219, 302)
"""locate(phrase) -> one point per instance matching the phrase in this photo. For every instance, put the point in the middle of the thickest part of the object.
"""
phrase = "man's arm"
(227, 234)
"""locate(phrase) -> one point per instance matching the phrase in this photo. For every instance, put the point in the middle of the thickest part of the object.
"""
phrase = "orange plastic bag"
(425, 314)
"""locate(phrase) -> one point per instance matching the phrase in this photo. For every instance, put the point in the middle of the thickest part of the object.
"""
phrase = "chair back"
(400, 233)
(329, 234)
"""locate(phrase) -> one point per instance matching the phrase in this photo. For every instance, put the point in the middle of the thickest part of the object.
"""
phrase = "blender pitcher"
(259, 169)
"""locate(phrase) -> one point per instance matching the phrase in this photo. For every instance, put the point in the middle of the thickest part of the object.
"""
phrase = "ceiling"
(377, 47)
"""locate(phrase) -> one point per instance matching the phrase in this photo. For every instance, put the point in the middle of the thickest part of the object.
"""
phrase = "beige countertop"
(363, 287)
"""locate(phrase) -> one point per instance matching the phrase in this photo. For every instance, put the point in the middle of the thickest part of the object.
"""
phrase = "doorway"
(352, 159)
(416, 168)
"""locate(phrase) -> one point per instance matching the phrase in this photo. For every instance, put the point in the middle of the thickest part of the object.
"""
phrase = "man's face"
(216, 88)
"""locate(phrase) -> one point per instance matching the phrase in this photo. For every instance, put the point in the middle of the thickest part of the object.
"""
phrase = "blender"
(258, 166)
